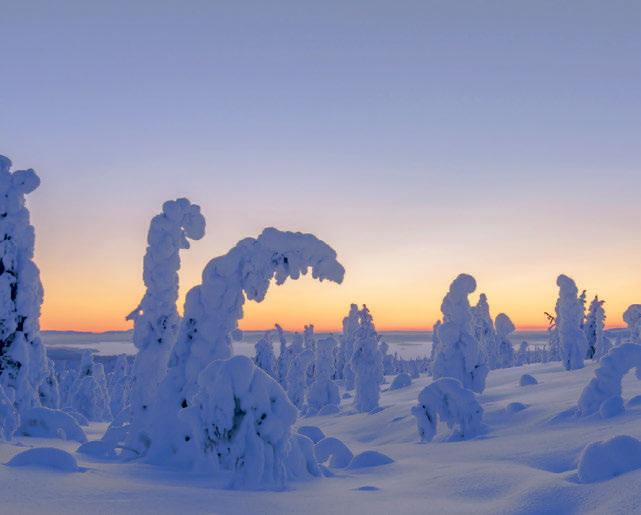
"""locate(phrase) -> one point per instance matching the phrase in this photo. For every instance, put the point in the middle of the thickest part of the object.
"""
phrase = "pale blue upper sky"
(498, 130)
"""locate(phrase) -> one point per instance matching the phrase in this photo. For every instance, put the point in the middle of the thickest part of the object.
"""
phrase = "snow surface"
(526, 461)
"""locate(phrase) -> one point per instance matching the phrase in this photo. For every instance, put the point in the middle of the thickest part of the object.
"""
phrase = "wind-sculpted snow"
(447, 400)
(156, 318)
(23, 363)
(569, 319)
(457, 354)
(605, 387)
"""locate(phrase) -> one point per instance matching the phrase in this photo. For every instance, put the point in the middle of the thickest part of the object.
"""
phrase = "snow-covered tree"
(297, 377)
(347, 339)
(265, 358)
(504, 327)
(367, 363)
(283, 357)
(89, 394)
(9, 417)
(389, 366)
(49, 389)
(211, 315)
(632, 317)
(485, 333)
(457, 354)
(594, 326)
(119, 385)
(569, 319)
(323, 391)
(309, 343)
(521, 357)
(156, 318)
(23, 362)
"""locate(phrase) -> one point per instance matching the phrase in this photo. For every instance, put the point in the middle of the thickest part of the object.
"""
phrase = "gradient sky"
(420, 139)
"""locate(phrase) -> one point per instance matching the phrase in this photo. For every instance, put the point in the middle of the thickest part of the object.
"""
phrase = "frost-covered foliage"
(601, 461)
(569, 321)
(324, 391)
(505, 354)
(9, 417)
(606, 383)
(23, 362)
(47, 423)
(239, 425)
(632, 317)
(594, 325)
(89, 394)
(485, 333)
(212, 312)
(156, 318)
(458, 354)
(347, 339)
(265, 358)
(367, 363)
(119, 385)
(448, 401)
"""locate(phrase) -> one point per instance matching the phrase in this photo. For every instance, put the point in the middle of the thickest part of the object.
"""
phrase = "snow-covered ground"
(525, 463)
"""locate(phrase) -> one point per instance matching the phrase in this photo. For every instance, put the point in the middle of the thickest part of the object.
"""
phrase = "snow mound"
(402, 380)
(634, 401)
(527, 380)
(97, 449)
(515, 407)
(338, 453)
(49, 423)
(446, 399)
(46, 457)
(314, 433)
(601, 461)
(611, 407)
(369, 459)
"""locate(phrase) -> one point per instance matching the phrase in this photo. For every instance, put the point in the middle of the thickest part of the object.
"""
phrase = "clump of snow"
(447, 400)
(367, 363)
(402, 380)
(335, 450)
(48, 423)
(458, 354)
(527, 380)
(300, 462)
(569, 322)
(45, 457)
(314, 433)
(606, 383)
(369, 459)
(601, 461)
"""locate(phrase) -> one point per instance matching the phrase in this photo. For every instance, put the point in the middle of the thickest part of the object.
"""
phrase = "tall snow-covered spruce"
(504, 327)
(598, 344)
(367, 363)
(156, 319)
(457, 354)
(569, 322)
(212, 312)
(23, 363)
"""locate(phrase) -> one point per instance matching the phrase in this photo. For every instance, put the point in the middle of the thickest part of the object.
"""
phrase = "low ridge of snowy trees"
(457, 354)
(367, 363)
(212, 312)
(598, 344)
(569, 321)
(505, 354)
(448, 401)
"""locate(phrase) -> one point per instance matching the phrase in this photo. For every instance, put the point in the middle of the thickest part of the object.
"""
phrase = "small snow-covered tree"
(156, 318)
(211, 315)
(485, 333)
(389, 367)
(522, 355)
(347, 339)
(457, 354)
(265, 358)
(367, 363)
(119, 385)
(569, 319)
(323, 391)
(309, 343)
(89, 394)
(632, 317)
(504, 327)
(283, 357)
(594, 326)
(49, 389)
(297, 377)
(23, 362)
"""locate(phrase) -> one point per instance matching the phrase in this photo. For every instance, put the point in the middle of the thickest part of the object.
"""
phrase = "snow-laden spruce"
(156, 318)
(569, 323)
(457, 354)
(119, 385)
(23, 361)
(346, 351)
(212, 312)
(485, 333)
(282, 363)
(505, 350)
(598, 344)
(89, 394)
(605, 386)
(324, 391)
(265, 358)
(632, 317)
(367, 363)
(448, 401)
(297, 377)
(522, 356)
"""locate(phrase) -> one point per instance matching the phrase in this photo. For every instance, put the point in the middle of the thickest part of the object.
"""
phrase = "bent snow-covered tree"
(23, 362)
(156, 318)
(569, 322)
(457, 354)
(212, 312)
